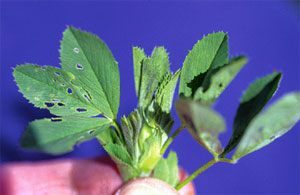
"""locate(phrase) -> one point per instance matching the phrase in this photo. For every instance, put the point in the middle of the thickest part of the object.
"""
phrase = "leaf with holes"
(251, 103)
(94, 67)
(203, 123)
(51, 88)
(277, 120)
(208, 54)
(60, 135)
(217, 81)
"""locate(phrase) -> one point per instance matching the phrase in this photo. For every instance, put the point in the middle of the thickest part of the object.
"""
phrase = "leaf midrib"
(95, 76)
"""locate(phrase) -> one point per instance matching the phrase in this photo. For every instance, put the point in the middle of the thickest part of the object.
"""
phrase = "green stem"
(201, 169)
(169, 141)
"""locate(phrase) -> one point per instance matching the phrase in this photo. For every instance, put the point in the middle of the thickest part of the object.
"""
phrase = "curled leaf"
(252, 102)
(203, 123)
(278, 119)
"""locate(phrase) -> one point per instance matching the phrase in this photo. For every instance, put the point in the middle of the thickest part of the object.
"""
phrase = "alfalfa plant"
(84, 94)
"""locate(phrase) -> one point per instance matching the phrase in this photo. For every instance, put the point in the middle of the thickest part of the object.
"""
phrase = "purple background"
(268, 33)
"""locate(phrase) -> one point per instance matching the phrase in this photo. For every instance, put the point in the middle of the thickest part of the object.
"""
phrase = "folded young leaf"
(150, 154)
(95, 69)
(278, 119)
(219, 79)
(51, 88)
(167, 169)
(131, 127)
(60, 135)
(152, 71)
(123, 160)
(203, 123)
(165, 92)
(138, 57)
(251, 103)
(211, 52)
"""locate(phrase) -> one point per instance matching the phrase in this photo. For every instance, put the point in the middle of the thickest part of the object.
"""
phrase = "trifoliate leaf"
(219, 79)
(60, 135)
(278, 119)
(138, 57)
(251, 103)
(123, 160)
(94, 67)
(203, 123)
(51, 88)
(165, 92)
(211, 52)
(167, 169)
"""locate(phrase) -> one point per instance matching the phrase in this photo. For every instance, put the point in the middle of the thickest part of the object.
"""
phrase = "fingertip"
(147, 186)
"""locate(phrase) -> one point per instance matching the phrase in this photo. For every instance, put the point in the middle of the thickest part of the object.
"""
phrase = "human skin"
(77, 176)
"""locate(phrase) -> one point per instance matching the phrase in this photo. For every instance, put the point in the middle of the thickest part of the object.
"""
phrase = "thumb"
(147, 186)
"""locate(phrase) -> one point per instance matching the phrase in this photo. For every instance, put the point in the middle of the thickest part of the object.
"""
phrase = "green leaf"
(165, 92)
(219, 80)
(167, 169)
(278, 119)
(172, 162)
(138, 57)
(51, 88)
(150, 154)
(94, 67)
(161, 170)
(203, 123)
(131, 127)
(152, 71)
(251, 103)
(209, 53)
(60, 135)
(108, 136)
(123, 160)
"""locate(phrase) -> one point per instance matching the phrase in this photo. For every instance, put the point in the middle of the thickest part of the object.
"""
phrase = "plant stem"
(195, 174)
(169, 141)
(203, 168)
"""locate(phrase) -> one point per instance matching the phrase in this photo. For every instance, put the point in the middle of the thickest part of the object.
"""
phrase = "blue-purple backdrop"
(268, 33)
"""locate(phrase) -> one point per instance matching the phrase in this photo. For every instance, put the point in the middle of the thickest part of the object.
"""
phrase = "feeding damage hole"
(88, 99)
(273, 137)
(69, 90)
(91, 131)
(54, 100)
(76, 50)
(63, 84)
(49, 104)
(54, 80)
(58, 73)
(56, 119)
(61, 104)
(79, 67)
(81, 110)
